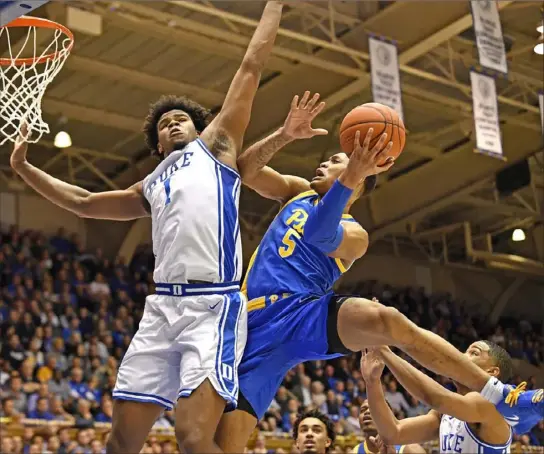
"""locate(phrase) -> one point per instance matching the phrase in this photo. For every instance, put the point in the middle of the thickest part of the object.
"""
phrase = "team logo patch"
(539, 395)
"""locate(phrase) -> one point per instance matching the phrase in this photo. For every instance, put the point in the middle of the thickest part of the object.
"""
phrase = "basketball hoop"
(26, 73)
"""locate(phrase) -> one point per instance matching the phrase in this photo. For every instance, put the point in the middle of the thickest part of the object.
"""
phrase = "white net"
(25, 72)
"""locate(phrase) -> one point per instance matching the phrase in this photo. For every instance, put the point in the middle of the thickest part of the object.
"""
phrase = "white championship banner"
(541, 104)
(488, 32)
(385, 75)
(486, 114)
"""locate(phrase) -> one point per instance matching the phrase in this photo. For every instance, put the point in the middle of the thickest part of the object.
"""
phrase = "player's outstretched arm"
(226, 132)
(121, 205)
(252, 163)
(392, 431)
(471, 407)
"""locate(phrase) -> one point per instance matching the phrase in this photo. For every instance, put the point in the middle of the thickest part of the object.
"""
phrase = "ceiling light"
(63, 140)
(539, 48)
(540, 28)
(518, 235)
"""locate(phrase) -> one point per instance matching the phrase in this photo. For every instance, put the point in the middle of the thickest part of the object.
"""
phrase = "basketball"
(382, 119)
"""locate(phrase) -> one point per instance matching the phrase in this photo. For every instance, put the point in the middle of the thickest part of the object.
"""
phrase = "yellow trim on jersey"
(251, 261)
(347, 216)
(355, 450)
(256, 303)
(401, 450)
(340, 265)
(298, 197)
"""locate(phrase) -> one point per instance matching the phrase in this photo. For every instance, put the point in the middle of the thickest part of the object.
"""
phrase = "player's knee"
(395, 325)
(192, 439)
(118, 443)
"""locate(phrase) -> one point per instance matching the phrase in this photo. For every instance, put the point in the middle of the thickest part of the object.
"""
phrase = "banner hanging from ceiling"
(488, 33)
(385, 74)
(486, 115)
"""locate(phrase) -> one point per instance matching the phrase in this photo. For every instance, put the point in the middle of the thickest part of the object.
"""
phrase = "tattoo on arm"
(257, 156)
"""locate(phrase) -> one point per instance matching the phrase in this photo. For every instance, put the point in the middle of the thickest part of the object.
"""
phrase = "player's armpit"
(354, 243)
(273, 185)
(122, 205)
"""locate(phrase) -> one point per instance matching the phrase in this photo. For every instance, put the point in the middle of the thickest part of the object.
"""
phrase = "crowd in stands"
(67, 316)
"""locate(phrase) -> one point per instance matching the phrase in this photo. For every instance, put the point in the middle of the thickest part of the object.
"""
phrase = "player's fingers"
(317, 109)
(357, 141)
(304, 100)
(368, 138)
(320, 132)
(313, 101)
(384, 152)
(385, 167)
(380, 144)
(294, 102)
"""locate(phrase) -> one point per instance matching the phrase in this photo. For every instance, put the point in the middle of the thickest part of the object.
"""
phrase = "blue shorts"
(282, 334)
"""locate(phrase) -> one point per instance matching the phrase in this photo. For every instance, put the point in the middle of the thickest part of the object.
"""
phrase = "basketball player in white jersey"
(464, 422)
(193, 331)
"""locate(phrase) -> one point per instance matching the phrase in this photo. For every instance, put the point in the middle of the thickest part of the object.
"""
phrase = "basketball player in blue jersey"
(370, 445)
(193, 331)
(464, 422)
(293, 315)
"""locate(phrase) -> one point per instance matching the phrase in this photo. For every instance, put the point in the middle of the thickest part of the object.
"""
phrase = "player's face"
(175, 129)
(478, 353)
(328, 172)
(312, 436)
(366, 422)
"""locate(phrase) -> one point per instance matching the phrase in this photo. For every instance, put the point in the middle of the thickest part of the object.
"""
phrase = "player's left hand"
(298, 124)
(372, 365)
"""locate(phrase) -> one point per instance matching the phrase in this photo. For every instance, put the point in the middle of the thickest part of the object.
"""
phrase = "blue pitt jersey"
(285, 263)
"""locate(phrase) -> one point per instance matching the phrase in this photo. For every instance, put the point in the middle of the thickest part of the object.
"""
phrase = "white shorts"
(182, 341)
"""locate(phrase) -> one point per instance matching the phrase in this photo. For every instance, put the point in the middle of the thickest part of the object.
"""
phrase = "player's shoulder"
(297, 196)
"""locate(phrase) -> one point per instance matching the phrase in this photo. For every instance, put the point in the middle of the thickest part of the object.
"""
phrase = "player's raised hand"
(363, 161)
(298, 124)
(18, 155)
(372, 365)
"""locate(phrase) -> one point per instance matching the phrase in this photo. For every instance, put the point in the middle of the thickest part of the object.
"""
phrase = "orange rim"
(27, 21)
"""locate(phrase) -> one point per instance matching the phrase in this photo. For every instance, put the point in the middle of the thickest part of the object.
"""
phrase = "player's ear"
(494, 371)
(328, 443)
(160, 149)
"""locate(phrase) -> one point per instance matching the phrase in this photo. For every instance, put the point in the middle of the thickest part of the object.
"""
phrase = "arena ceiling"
(440, 200)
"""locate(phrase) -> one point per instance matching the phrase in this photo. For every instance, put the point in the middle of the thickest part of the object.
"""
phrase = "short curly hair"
(331, 434)
(200, 115)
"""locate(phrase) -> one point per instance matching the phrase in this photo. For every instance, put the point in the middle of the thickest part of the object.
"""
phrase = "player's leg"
(146, 382)
(236, 427)
(197, 418)
(363, 323)
(211, 347)
(131, 423)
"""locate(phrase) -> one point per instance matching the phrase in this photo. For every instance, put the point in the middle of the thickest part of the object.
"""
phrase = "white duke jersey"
(456, 437)
(194, 213)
